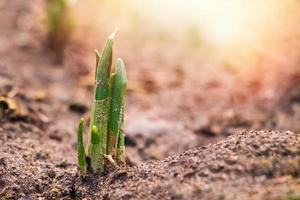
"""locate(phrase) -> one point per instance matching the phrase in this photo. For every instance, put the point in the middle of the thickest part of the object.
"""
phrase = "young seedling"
(106, 141)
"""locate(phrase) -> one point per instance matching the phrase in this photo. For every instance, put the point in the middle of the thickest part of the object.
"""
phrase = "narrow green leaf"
(119, 82)
(80, 148)
(101, 101)
(104, 69)
(96, 161)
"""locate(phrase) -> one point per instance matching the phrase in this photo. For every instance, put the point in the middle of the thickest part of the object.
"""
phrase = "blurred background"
(198, 70)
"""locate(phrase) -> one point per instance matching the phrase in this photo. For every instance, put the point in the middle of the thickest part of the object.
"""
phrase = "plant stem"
(119, 83)
(96, 161)
(101, 100)
(121, 148)
(80, 149)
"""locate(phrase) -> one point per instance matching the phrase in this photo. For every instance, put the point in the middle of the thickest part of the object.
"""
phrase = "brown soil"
(169, 110)
(248, 165)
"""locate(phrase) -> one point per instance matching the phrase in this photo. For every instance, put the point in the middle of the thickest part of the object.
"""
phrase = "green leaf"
(80, 148)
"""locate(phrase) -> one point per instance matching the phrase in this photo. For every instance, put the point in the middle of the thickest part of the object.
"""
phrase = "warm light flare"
(234, 29)
(228, 21)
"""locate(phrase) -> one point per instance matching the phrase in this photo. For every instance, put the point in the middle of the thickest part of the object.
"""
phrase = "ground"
(191, 134)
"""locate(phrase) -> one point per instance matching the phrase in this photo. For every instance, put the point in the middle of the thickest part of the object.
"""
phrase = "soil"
(190, 133)
(248, 165)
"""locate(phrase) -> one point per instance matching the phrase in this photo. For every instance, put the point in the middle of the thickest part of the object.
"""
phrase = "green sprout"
(119, 82)
(60, 24)
(106, 139)
(80, 148)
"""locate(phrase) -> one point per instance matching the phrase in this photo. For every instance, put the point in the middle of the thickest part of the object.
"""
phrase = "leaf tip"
(113, 34)
(121, 71)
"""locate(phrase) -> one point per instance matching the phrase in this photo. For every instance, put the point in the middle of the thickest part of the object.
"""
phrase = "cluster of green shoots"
(60, 24)
(106, 139)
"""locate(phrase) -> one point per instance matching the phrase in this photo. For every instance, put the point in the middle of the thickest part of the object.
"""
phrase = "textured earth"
(247, 165)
